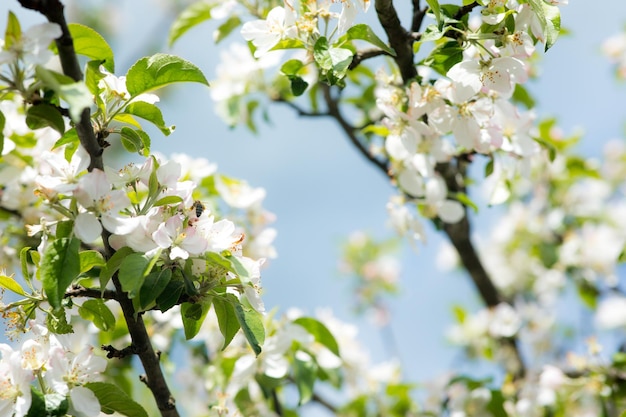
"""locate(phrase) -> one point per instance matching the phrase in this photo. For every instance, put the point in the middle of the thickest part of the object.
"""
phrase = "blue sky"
(321, 189)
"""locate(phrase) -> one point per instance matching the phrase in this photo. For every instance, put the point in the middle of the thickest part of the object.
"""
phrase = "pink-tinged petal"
(451, 211)
(87, 227)
(194, 242)
(84, 402)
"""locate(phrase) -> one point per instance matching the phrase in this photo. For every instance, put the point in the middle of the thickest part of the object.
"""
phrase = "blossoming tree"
(129, 257)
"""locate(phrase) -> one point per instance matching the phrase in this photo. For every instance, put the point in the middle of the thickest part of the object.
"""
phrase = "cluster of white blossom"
(59, 364)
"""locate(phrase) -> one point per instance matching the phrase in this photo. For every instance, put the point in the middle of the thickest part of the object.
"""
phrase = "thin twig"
(80, 291)
(418, 16)
(366, 54)
(298, 109)
(349, 130)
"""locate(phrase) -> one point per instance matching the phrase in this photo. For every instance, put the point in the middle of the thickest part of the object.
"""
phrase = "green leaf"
(12, 285)
(170, 296)
(70, 137)
(298, 85)
(226, 318)
(97, 312)
(365, 33)
(193, 315)
(89, 43)
(550, 18)
(133, 269)
(230, 263)
(154, 284)
(93, 75)
(75, 94)
(38, 403)
(3, 121)
(90, 259)
(320, 53)
(292, 67)
(466, 201)
(56, 322)
(170, 199)
(60, 265)
(24, 265)
(44, 115)
(151, 113)
(192, 16)
(305, 374)
(340, 59)
(113, 399)
(113, 265)
(159, 70)
(251, 322)
(522, 96)
(135, 141)
(434, 7)
(226, 28)
(13, 32)
(320, 332)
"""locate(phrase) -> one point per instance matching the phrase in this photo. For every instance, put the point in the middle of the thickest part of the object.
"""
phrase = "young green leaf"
(154, 284)
(251, 323)
(550, 18)
(159, 70)
(226, 318)
(436, 10)
(113, 399)
(365, 33)
(305, 371)
(113, 264)
(13, 32)
(226, 28)
(170, 295)
(193, 315)
(89, 43)
(193, 15)
(90, 259)
(151, 113)
(97, 312)
(75, 94)
(320, 332)
(59, 267)
(45, 115)
(133, 269)
(11, 284)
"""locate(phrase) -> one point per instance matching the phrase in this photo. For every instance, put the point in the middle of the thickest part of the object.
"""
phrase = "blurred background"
(321, 189)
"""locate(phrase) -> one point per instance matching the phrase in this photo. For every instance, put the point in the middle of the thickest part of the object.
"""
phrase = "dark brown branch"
(323, 402)
(119, 353)
(53, 10)
(465, 10)
(80, 291)
(459, 234)
(418, 16)
(298, 109)
(361, 56)
(349, 130)
(399, 39)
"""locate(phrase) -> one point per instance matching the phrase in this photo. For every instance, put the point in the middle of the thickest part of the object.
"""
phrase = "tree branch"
(80, 291)
(335, 113)
(361, 56)
(418, 16)
(53, 11)
(399, 39)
